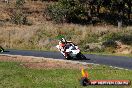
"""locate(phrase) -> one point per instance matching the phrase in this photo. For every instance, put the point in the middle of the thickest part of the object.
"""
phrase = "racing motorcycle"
(71, 52)
(1, 49)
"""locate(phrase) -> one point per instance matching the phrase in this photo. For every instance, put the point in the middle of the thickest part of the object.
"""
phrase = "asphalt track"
(116, 61)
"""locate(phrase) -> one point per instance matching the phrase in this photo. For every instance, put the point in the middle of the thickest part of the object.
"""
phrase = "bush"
(18, 17)
(112, 36)
(56, 13)
(66, 11)
(110, 43)
(20, 3)
(125, 38)
(91, 38)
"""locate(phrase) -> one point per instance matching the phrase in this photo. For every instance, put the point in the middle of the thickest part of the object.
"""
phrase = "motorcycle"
(71, 51)
(1, 49)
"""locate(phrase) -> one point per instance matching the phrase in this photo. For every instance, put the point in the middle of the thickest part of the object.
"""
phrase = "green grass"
(12, 75)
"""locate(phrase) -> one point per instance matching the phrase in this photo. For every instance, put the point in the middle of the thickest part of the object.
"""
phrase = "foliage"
(110, 43)
(66, 11)
(91, 38)
(112, 36)
(57, 13)
(18, 17)
(125, 38)
(19, 3)
(84, 11)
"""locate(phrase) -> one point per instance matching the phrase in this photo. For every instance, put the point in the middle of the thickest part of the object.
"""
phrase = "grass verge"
(13, 75)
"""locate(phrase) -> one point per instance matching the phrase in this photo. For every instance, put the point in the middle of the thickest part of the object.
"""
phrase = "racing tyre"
(68, 58)
(81, 56)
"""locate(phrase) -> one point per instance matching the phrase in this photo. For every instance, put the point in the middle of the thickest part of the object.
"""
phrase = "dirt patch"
(43, 63)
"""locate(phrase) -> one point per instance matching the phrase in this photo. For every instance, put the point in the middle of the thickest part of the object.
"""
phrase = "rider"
(63, 43)
(1, 49)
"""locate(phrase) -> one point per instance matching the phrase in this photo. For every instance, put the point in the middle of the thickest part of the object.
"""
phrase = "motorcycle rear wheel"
(81, 56)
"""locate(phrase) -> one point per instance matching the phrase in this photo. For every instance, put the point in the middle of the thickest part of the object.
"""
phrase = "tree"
(129, 4)
(76, 10)
(66, 11)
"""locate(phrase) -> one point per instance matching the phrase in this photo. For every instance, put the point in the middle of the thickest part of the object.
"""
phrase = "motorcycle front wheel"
(68, 57)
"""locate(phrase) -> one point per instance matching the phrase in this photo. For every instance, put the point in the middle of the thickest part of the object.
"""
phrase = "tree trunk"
(119, 24)
(120, 20)
(90, 12)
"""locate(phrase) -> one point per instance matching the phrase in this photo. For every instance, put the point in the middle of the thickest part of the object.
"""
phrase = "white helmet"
(63, 40)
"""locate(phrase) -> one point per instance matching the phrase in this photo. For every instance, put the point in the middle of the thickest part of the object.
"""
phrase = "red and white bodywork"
(70, 51)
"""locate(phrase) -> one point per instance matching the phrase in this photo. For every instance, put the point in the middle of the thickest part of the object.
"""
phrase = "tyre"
(68, 57)
(81, 56)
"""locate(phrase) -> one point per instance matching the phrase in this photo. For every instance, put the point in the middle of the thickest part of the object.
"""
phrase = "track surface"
(117, 61)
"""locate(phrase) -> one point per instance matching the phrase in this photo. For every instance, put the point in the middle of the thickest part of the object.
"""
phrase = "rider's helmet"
(63, 40)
